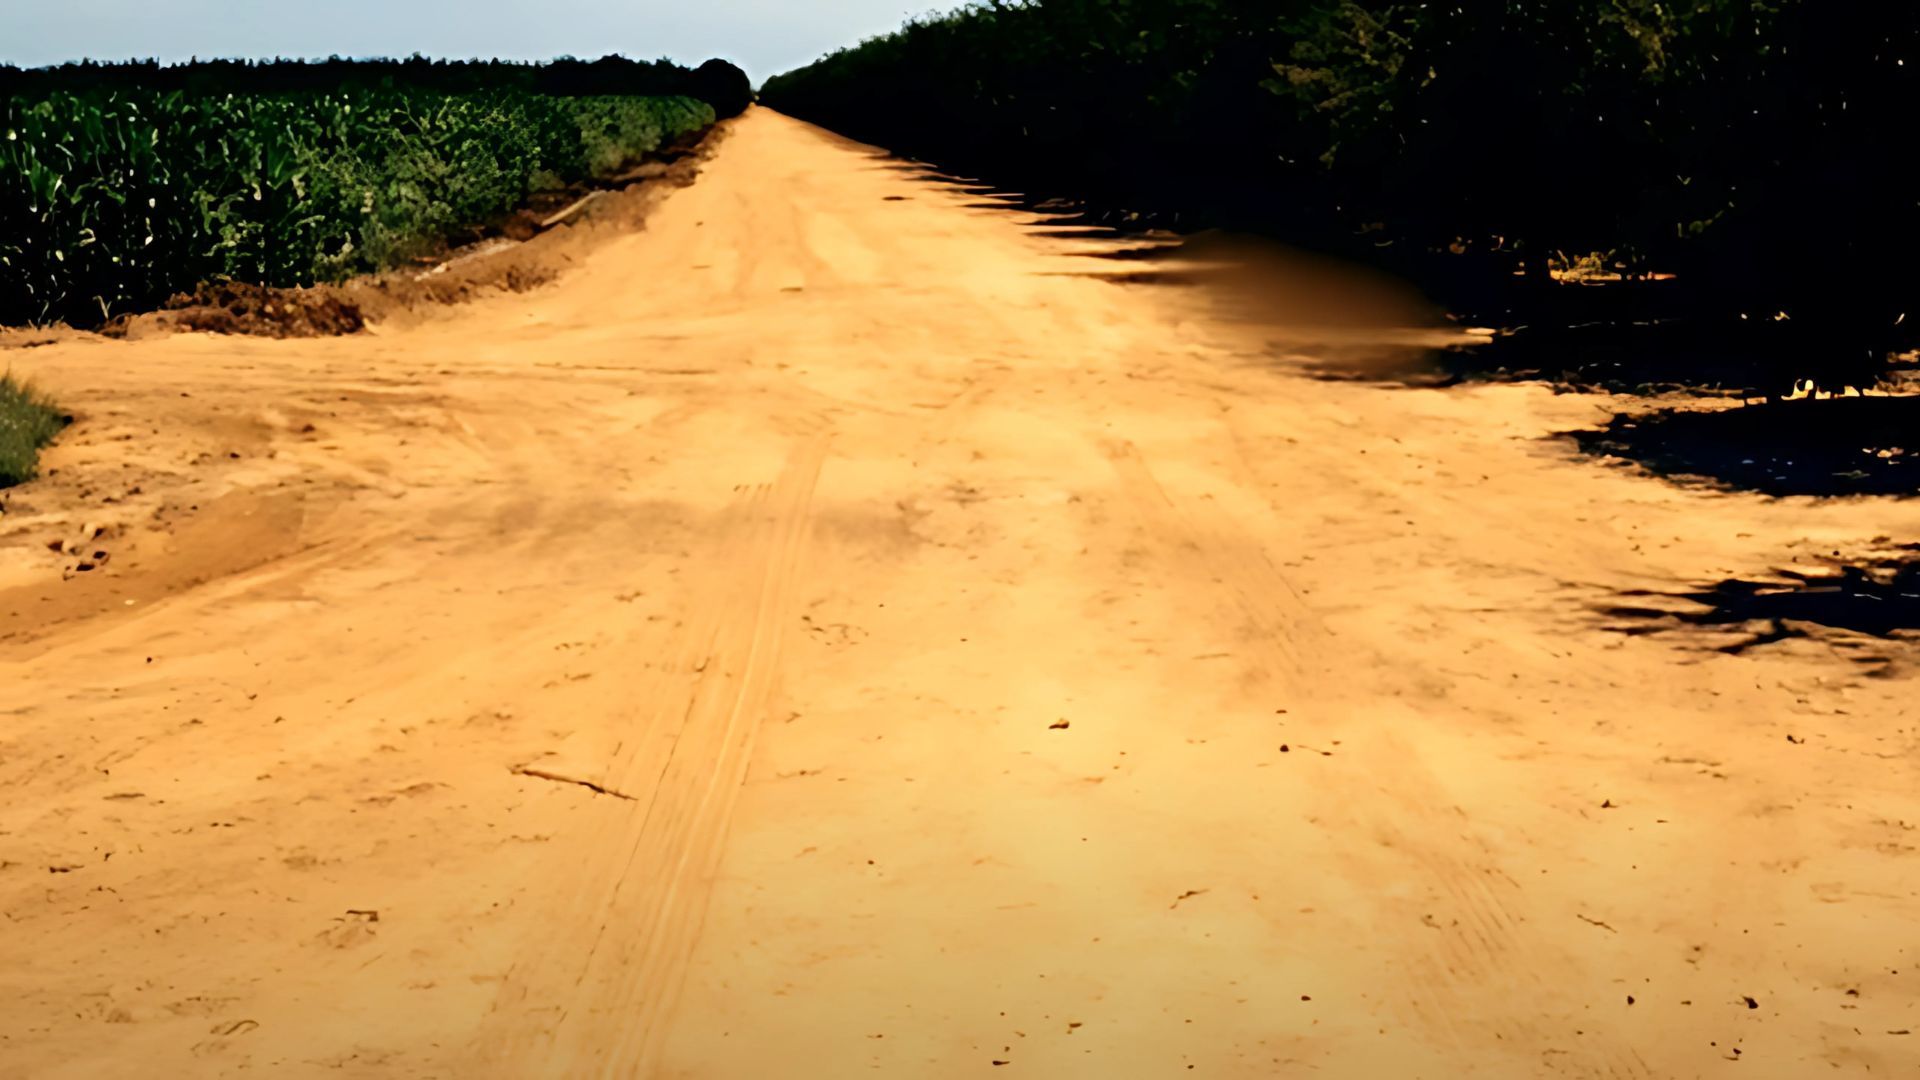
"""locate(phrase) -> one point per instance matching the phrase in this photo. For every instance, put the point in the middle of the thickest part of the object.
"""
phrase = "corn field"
(113, 200)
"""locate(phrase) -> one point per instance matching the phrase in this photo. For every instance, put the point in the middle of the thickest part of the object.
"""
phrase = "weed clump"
(28, 421)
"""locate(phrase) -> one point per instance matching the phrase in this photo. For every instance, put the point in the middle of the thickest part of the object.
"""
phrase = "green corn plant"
(111, 201)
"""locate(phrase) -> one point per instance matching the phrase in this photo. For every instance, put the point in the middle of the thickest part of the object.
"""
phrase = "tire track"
(594, 999)
(1290, 636)
(1475, 945)
(1478, 949)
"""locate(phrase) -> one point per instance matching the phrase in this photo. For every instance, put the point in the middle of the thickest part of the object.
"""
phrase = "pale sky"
(764, 36)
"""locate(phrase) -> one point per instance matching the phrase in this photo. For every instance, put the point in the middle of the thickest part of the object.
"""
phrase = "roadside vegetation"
(28, 421)
(122, 185)
(1731, 169)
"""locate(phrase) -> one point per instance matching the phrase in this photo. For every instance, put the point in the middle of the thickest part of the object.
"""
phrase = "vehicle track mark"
(596, 1003)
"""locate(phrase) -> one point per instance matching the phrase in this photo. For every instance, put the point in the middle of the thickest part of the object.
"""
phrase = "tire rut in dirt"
(596, 1003)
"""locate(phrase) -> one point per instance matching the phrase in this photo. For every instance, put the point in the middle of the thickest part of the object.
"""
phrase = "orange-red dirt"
(830, 632)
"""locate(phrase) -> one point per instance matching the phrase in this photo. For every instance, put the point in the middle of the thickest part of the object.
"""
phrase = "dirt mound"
(239, 308)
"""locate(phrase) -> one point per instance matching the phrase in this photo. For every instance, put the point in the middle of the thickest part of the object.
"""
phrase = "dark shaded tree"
(722, 85)
(1753, 147)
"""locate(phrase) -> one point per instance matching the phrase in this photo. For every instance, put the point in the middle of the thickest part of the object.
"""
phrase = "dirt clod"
(239, 308)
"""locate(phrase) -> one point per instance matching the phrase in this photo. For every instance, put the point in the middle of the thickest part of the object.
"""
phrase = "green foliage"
(1127, 101)
(1511, 121)
(110, 201)
(28, 422)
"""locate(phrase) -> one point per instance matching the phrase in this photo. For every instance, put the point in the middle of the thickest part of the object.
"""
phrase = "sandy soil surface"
(831, 632)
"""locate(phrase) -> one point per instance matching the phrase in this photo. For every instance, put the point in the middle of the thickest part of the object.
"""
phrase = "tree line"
(1753, 149)
(717, 82)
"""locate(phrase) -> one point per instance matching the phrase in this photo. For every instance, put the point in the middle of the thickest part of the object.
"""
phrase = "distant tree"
(724, 86)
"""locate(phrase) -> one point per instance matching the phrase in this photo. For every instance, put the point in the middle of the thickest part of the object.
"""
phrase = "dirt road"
(832, 632)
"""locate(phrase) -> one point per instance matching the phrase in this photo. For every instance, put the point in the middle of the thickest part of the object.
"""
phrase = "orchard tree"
(1520, 123)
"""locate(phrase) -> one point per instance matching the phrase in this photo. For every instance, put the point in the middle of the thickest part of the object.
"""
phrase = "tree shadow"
(1074, 225)
(1698, 355)
(1618, 337)
(1840, 446)
(1633, 358)
(1163, 278)
(1135, 252)
(1842, 605)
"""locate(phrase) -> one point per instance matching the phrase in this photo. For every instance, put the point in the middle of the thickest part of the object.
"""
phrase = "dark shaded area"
(1622, 337)
(1163, 278)
(1261, 283)
(1843, 446)
(722, 85)
(1879, 598)
(1746, 358)
(1070, 106)
(1328, 317)
(1084, 232)
(1479, 149)
(1138, 252)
